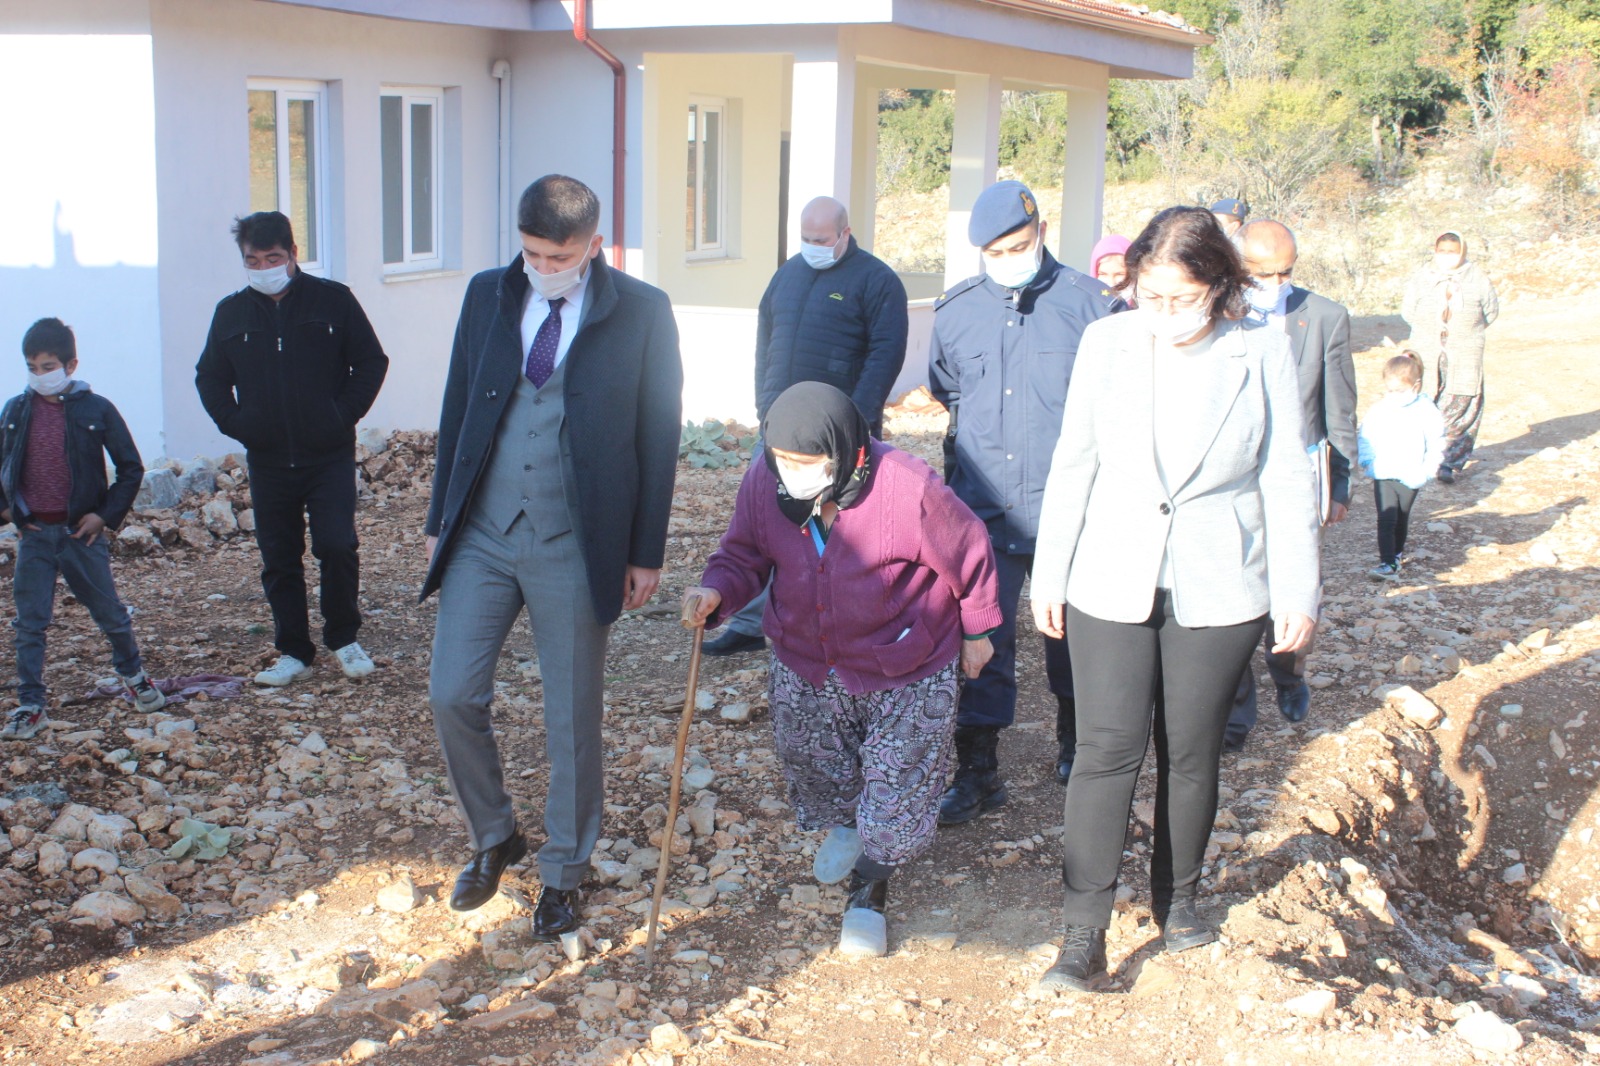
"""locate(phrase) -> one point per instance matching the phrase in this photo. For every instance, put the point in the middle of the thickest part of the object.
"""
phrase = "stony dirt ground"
(1408, 876)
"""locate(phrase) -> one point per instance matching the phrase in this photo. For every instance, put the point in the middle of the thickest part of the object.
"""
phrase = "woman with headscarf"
(1108, 263)
(1449, 305)
(883, 585)
(1178, 515)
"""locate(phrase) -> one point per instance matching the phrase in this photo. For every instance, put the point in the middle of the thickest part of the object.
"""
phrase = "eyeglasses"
(1186, 302)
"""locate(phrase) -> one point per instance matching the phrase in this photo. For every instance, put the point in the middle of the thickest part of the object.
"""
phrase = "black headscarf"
(816, 419)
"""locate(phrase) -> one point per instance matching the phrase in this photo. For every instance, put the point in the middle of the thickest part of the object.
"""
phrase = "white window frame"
(408, 95)
(317, 92)
(719, 248)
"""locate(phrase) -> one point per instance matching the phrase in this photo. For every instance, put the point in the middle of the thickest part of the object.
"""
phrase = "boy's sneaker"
(143, 692)
(1384, 572)
(286, 671)
(353, 660)
(24, 722)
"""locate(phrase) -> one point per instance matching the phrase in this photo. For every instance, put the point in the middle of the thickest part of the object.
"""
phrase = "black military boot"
(977, 786)
(1066, 736)
(1081, 964)
(1181, 927)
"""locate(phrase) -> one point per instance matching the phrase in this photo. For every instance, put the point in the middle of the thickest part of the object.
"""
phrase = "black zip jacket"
(94, 429)
(290, 379)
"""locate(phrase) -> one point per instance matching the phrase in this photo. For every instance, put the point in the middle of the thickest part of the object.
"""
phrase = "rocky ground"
(1408, 876)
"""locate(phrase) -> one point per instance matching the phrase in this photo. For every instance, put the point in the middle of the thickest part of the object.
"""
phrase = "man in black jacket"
(558, 444)
(290, 366)
(834, 313)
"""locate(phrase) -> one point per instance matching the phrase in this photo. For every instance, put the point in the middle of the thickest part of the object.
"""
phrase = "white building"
(398, 133)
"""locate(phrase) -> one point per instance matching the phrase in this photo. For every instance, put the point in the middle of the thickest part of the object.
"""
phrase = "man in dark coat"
(834, 313)
(290, 366)
(1004, 342)
(558, 442)
(1319, 342)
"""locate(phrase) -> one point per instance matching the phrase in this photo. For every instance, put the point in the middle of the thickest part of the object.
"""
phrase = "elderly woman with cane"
(883, 586)
(1178, 515)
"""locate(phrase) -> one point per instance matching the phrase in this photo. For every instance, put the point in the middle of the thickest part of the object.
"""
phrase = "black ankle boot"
(870, 893)
(1181, 928)
(1066, 736)
(977, 786)
(1081, 965)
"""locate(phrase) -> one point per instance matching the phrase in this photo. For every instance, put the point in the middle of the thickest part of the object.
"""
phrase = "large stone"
(394, 1004)
(105, 909)
(524, 1010)
(669, 1038)
(53, 858)
(160, 904)
(1485, 1031)
(219, 519)
(96, 859)
(106, 830)
(158, 492)
(1317, 1005)
(199, 478)
(399, 896)
(1413, 706)
(137, 540)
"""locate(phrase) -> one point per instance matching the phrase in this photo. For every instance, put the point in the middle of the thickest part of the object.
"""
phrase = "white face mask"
(1177, 327)
(819, 256)
(51, 382)
(1263, 297)
(554, 286)
(806, 482)
(1015, 271)
(271, 281)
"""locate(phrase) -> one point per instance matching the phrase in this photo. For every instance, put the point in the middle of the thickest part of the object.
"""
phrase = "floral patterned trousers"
(880, 760)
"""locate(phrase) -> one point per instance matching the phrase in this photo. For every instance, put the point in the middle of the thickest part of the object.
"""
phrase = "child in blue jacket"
(1402, 444)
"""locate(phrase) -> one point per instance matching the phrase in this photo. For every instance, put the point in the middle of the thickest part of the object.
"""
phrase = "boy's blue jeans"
(41, 555)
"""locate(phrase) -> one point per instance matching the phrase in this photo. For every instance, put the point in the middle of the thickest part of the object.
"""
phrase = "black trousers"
(1133, 680)
(1394, 501)
(990, 699)
(283, 498)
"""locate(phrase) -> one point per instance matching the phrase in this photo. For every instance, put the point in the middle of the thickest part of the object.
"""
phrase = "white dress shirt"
(535, 309)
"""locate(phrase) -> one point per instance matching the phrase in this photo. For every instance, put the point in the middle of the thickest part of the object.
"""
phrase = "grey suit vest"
(525, 474)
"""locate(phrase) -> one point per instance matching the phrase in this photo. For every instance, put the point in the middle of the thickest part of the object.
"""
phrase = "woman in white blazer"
(1179, 513)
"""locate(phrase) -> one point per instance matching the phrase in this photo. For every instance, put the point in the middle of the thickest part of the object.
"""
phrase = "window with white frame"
(410, 127)
(705, 233)
(288, 131)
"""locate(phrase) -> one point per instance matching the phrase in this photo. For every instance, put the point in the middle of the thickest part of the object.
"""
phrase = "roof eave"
(1107, 20)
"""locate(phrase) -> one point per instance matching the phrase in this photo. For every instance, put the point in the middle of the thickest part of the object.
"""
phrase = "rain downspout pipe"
(501, 71)
(619, 130)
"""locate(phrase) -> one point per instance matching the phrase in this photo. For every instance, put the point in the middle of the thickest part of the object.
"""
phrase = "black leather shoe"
(1182, 929)
(481, 879)
(556, 913)
(733, 642)
(1294, 701)
(1081, 965)
(871, 893)
(1446, 475)
(1234, 743)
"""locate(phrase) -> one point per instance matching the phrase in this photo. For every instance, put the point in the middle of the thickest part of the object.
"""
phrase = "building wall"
(205, 50)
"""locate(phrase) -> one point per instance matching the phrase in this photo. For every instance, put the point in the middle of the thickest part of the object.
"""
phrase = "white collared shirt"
(535, 309)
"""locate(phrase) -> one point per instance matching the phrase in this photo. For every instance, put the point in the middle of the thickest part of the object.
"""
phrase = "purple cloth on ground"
(176, 689)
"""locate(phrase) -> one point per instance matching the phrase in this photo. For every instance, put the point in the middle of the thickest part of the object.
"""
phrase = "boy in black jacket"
(291, 364)
(53, 442)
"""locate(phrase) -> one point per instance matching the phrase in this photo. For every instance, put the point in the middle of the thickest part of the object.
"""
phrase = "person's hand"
(433, 546)
(1337, 512)
(974, 654)
(90, 526)
(1050, 618)
(698, 603)
(640, 586)
(1293, 632)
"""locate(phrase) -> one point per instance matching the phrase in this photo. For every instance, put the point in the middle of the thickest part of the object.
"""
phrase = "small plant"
(201, 840)
(709, 445)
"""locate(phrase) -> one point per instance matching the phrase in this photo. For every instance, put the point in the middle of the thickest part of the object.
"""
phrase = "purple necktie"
(542, 356)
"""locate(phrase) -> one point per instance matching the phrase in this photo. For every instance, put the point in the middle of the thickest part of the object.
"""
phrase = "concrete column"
(974, 155)
(821, 135)
(863, 198)
(1083, 182)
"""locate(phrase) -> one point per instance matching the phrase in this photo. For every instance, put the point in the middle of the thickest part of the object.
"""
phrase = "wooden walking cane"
(670, 829)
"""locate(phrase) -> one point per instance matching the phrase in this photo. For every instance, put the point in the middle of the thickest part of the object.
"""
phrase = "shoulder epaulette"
(956, 290)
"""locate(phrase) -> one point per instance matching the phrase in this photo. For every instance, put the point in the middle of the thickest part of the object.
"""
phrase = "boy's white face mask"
(51, 382)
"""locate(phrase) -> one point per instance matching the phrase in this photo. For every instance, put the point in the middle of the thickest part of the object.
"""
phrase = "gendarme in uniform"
(1003, 347)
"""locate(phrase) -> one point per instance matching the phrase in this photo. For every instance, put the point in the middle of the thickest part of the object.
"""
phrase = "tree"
(1277, 137)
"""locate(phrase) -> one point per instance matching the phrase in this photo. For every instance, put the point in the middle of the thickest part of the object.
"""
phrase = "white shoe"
(143, 692)
(285, 671)
(354, 661)
(837, 855)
